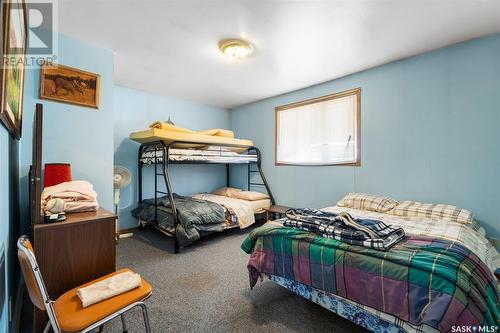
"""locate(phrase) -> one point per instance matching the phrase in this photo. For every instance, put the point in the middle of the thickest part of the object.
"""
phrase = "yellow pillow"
(249, 195)
(217, 132)
(225, 133)
(210, 132)
(169, 127)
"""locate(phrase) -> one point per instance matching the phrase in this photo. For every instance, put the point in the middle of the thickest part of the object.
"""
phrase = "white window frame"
(351, 92)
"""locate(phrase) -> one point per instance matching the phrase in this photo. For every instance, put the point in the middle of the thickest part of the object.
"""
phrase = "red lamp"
(56, 173)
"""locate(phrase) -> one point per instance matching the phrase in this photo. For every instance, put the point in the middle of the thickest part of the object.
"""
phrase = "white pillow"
(226, 191)
(249, 195)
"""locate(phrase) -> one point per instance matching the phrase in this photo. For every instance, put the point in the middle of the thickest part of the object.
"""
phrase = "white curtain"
(318, 133)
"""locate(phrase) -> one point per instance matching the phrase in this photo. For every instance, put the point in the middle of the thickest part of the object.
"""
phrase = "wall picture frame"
(13, 50)
(69, 85)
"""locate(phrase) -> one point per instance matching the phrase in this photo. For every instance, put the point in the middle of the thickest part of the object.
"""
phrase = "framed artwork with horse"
(69, 85)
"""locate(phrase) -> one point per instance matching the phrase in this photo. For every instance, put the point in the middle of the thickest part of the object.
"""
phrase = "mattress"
(431, 227)
(185, 155)
(241, 208)
(258, 205)
(195, 140)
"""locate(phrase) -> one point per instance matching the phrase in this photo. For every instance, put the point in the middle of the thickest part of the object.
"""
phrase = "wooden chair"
(66, 314)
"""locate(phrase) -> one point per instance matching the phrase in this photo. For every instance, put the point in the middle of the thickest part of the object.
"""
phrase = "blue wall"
(429, 132)
(73, 134)
(80, 136)
(134, 111)
(4, 222)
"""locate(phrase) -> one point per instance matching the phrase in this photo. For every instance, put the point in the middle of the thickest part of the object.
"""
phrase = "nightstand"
(276, 211)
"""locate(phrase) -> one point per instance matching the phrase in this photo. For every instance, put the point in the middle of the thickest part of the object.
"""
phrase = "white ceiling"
(170, 47)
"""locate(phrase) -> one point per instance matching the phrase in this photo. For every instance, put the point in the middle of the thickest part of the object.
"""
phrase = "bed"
(439, 278)
(200, 214)
(164, 145)
(210, 154)
(189, 139)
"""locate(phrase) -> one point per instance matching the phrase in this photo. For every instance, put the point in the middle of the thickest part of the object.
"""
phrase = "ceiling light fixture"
(235, 49)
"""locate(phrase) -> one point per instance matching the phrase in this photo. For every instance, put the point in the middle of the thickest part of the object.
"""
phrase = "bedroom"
(262, 109)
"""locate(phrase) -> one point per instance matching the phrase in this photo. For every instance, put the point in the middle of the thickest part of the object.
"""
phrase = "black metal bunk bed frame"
(160, 147)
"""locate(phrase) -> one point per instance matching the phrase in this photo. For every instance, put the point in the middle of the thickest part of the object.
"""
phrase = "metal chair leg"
(146, 317)
(47, 327)
(124, 324)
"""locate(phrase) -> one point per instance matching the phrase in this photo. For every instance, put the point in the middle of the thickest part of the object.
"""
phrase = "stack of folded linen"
(77, 196)
(343, 227)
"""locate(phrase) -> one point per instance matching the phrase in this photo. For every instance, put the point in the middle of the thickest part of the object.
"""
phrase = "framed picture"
(69, 85)
(12, 70)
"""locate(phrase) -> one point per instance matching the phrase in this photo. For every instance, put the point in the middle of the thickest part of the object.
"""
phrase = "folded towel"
(343, 227)
(107, 288)
(78, 195)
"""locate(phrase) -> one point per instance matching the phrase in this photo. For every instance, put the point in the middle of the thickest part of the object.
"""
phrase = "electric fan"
(121, 179)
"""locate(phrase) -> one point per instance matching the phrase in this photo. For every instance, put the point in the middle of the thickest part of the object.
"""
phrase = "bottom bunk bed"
(200, 214)
(438, 278)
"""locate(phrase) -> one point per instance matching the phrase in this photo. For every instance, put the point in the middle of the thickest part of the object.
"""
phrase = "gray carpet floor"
(205, 289)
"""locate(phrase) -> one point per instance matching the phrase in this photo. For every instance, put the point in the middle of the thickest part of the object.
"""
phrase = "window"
(320, 131)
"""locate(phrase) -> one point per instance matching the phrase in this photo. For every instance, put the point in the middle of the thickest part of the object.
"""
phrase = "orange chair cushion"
(73, 317)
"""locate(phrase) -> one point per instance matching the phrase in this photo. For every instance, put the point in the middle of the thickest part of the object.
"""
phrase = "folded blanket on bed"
(195, 216)
(343, 227)
(107, 288)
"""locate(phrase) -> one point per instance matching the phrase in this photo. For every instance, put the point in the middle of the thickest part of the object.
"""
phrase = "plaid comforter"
(421, 280)
(343, 227)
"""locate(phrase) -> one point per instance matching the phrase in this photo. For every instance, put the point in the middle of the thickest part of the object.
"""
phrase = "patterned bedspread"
(423, 280)
(196, 217)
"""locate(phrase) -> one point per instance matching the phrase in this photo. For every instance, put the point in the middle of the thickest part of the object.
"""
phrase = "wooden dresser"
(73, 252)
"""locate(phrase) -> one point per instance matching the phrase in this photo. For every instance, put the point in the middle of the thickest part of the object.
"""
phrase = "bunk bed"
(160, 155)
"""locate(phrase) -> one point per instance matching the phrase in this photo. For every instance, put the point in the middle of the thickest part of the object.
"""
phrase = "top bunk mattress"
(195, 140)
(208, 155)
